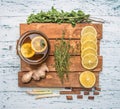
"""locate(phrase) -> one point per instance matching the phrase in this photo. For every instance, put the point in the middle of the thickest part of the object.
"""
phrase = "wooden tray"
(54, 31)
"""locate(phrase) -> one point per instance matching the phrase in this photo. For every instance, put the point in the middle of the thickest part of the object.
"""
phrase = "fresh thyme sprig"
(62, 57)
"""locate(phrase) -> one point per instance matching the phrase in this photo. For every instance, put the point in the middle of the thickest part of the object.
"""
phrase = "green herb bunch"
(55, 16)
(62, 57)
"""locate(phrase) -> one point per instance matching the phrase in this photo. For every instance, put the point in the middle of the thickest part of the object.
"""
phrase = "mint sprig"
(55, 16)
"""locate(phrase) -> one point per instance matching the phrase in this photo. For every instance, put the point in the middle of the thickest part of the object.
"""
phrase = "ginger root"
(43, 67)
(37, 74)
(27, 77)
(41, 72)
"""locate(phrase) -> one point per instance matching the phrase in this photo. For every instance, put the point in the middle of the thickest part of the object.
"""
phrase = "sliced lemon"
(87, 79)
(38, 44)
(87, 44)
(88, 36)
(88, 50)
(27, 51)
(88, 29)
(90, 61)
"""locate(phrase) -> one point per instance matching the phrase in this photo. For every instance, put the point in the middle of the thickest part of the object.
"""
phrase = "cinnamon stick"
(69, 92)
(81, 89)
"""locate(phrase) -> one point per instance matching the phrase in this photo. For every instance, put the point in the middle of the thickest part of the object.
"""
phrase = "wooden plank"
(75, 64)
(96, 8)
(22, 100)
(54, 30)
(75, 47)
(52, 80)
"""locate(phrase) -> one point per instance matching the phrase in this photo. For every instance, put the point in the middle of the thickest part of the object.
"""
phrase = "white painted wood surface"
(14, 12)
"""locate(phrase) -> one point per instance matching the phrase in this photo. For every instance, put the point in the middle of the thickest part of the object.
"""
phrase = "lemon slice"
(88, 50)
(89, 43)
(88, 29)
(88, 36)
(39, 44)
(87, 79)
(26, 50)
(90, 61)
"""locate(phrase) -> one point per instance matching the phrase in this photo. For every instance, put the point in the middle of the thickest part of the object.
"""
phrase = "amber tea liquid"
(37, 55)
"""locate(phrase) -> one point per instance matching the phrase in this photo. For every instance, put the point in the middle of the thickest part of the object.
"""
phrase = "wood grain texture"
(111, 28)
(75, 64)
(13, 12)
(52, 80)
(24, 8)
(54, 30)
(75, 46)
(27, 102)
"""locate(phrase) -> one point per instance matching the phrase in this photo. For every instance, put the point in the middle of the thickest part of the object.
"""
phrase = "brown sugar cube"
(69, 97)
(86, 92)
(91, 97)
(97, 88)
(79, 96)
(96, 93)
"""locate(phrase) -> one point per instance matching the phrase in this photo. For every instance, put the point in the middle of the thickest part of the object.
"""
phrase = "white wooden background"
(14, 12)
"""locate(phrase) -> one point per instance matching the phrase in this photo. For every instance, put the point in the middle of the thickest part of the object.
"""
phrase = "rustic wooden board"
(54, 31)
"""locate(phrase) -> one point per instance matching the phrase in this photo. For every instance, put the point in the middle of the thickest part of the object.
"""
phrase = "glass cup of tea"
(33, 47)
